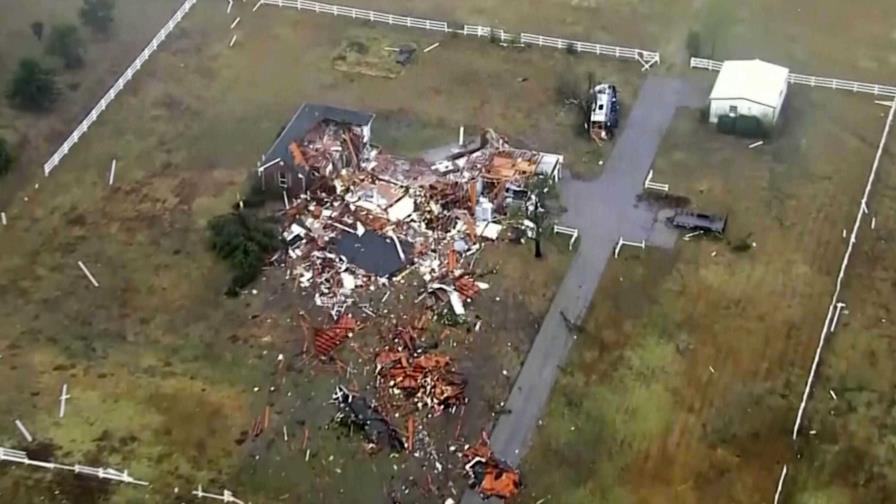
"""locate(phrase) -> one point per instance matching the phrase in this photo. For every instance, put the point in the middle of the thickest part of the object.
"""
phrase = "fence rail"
(20, 457)
(590, 47)
(809, 80)
(488, 32)
(368, 15)
(646, 58)
(117, 87)
(706, 64)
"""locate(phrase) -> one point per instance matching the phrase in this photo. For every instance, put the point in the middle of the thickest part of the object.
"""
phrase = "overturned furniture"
(357, 411)
(697, 221)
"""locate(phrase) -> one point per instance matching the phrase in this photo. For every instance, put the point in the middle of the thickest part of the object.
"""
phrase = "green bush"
(33, 86)
(750, 127)
(66, 44)
(245, 242)
(5, 157)
(743, 126)
(98, 15)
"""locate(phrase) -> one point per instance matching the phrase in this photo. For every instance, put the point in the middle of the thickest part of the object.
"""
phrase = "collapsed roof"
(364, 216)
(307, 117)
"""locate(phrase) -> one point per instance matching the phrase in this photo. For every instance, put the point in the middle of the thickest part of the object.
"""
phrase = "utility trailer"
(696, 221)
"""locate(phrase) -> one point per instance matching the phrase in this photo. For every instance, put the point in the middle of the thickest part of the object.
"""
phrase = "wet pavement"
(604, 210)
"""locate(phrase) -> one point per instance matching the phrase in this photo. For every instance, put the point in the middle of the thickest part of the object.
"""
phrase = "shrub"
(33, 87)
(5, 157)
(98, 15)
(66, 44)
(750, 127)
(571, 48)
(245, 242)
(743, 125)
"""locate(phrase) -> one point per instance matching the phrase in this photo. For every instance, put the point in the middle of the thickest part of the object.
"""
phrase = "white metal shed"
(749, 87)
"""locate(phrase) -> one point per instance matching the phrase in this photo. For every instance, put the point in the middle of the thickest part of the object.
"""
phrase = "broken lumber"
(23, 430)
(327, 340)
(88, 274)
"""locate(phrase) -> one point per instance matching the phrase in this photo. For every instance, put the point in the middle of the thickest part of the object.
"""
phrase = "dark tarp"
(374, 253)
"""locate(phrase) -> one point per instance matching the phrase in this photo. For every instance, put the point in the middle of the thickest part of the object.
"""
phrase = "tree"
(5, 157)
(245, 242)
(37, 28)
(33, 87)
(66, 44)
(98, 15)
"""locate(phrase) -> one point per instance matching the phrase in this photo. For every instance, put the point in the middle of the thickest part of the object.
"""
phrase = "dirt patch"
(372, 56)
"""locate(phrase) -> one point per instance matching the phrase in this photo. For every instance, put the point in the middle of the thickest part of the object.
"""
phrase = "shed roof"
(754, 80)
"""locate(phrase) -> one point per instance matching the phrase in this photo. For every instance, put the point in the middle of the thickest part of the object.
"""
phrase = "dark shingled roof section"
(306, 118)
(374, 253)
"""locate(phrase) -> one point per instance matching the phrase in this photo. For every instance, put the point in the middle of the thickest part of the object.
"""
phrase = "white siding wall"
(780, 102)
(719, 108)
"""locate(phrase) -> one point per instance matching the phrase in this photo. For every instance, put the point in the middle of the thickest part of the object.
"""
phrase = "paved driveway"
(603, 209)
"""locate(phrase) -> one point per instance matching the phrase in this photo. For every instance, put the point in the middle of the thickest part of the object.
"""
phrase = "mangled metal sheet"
(358, 411)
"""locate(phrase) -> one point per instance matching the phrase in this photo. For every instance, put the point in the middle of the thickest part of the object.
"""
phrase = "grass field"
(845, 440)
(849, 40)
(686, 382)
(166, 374)
(644, 25)
(827, 38)
(35, 137)
(682, 348)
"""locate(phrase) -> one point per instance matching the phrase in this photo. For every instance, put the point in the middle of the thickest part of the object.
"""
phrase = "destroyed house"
(355, 217)
(284, 166)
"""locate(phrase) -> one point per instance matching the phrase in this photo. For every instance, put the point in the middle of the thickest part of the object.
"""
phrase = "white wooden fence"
(830, 320)
(646, 58)
(20, 457)
(828, 326)
(488, 32)
(809, 80)
(367, 15)
(117, 87)
(706, 64)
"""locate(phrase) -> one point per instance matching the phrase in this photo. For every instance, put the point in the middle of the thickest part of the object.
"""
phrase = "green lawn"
(685, 383)
(165, 373)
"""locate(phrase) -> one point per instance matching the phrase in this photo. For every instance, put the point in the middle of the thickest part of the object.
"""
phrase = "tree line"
(33, 87)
